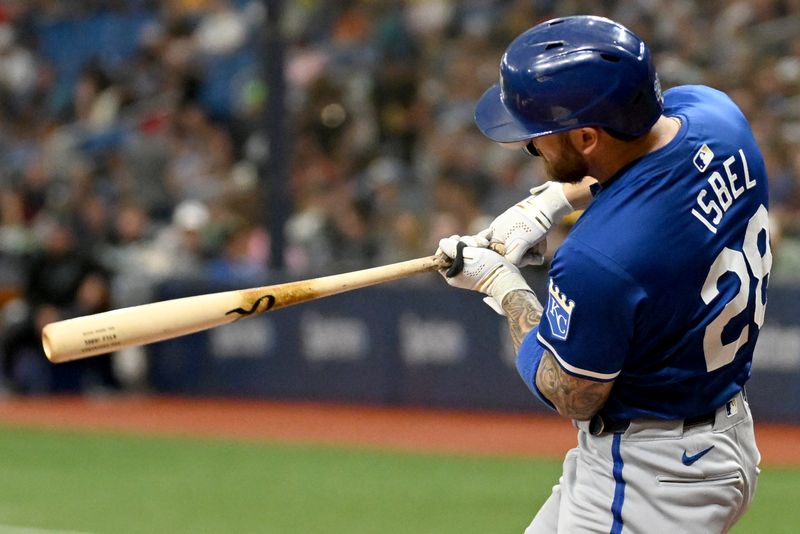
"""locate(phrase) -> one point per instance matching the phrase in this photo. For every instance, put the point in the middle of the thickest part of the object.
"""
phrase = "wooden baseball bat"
(101, 333)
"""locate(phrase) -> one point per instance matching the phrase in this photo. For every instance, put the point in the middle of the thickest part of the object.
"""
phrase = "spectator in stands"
(61, 283)
(242, 261)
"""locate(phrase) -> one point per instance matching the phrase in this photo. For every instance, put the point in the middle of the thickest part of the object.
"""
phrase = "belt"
(600, 425)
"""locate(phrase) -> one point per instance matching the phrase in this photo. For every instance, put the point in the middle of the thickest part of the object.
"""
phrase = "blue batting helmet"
(572, 72)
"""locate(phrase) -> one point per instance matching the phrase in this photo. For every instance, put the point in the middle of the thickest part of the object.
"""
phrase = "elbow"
(577, 413)
(573, 397)
(580, 402)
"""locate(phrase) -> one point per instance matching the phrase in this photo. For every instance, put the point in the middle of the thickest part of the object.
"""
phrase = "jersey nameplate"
(559, 312)
(722, 188)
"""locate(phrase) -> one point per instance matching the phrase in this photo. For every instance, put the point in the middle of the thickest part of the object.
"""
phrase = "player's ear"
(584, 139)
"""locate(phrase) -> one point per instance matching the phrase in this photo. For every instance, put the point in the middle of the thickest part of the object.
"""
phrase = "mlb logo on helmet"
(559, 312)
(703, 158)
(657, 90)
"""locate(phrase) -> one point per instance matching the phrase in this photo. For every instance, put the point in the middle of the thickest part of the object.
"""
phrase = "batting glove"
(484, 270)
(526, 223)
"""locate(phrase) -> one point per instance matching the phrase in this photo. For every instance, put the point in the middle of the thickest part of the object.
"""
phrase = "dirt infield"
(416, 429)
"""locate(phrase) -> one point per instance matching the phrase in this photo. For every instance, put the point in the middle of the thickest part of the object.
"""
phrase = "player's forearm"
(523, 311)
(579, 195)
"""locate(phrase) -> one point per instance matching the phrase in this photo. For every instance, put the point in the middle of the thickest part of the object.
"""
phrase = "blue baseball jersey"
(661, 284)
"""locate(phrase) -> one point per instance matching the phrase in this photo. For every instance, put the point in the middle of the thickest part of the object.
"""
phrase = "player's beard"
(570, 167)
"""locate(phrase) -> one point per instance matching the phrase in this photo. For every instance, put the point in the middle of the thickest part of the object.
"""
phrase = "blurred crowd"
(133, 148)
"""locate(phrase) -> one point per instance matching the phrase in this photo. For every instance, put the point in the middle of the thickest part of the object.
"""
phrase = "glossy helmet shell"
(568, 73)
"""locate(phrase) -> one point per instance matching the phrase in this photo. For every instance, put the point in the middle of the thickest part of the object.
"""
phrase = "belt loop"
(596, 425)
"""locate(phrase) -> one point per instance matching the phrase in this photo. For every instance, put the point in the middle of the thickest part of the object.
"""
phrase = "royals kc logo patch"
(559, 312)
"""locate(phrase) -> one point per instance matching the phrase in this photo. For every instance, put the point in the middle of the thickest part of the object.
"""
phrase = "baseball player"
(656, 297)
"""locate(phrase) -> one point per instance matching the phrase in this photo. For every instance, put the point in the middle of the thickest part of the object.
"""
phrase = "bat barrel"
(110, 331)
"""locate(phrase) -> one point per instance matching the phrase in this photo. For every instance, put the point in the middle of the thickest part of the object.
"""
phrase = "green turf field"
(60, 481)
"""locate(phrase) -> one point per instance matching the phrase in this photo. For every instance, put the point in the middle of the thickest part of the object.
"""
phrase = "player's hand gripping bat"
(110, 331)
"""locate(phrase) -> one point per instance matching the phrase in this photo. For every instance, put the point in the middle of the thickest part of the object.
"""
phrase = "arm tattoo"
(576, 398)
(523, 312)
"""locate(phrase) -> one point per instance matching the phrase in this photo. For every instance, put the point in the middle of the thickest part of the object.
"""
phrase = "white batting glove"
(484, 270)
(526, 223)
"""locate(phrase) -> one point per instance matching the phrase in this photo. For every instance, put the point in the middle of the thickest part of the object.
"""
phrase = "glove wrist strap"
(552, 200)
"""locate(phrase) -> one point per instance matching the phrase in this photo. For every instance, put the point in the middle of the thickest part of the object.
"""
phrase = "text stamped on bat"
(100, 339)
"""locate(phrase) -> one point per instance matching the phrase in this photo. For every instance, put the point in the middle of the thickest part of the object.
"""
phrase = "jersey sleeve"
(590, 314)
